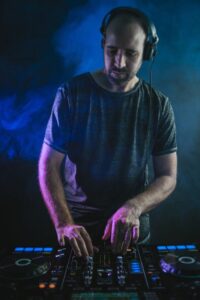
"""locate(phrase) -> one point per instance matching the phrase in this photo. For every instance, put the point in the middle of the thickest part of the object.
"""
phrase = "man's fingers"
(107, 231)
(75, 247)
(82, 246)
(118, 237)
(135, 233)
(78, 238)
(127, 241)
(121, 232)
(62, 241)
(88, 242)
(114, 233)
(118, 232)
(95, 249)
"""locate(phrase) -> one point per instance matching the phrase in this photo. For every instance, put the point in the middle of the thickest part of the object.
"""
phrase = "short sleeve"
(57, 133)
(165, 140)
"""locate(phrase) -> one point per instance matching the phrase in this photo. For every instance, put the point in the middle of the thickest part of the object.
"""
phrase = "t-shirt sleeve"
(165, 140)
(58, 128)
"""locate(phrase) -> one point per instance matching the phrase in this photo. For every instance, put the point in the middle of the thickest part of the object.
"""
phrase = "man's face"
(123, 52)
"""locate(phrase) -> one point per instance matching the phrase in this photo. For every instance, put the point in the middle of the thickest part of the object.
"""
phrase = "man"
(103, 130)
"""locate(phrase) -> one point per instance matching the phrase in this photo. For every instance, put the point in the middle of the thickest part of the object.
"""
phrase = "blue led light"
(136, 271)
(190, 247)
(171, 247)
(180, 247)
(155, 277)
(38, 249)
(19, 249)
(135, 266)
(28, 249)
(161, 248)
(48, 249)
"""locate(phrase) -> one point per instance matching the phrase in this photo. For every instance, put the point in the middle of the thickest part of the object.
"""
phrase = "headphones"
(152, 39)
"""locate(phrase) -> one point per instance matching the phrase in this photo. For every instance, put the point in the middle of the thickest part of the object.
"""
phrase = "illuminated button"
(47, 249)
(135, 268)
(135, 262)
(61, 250)
(155, 278)
(54, 279)
(59, 256)
(136, 271)
(19, 249)
(28, 249)
(52, 285)
(171, 247)
(41, 285)
(38, 249)
(161, 248)
(191, 247)
(180, 247)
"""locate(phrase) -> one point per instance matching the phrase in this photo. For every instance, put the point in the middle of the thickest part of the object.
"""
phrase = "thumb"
(107, 231)
(60, 237)
(135, 233)
(61, 240)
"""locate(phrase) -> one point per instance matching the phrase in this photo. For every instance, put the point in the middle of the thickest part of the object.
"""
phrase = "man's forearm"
(155, 193)
(53, 195)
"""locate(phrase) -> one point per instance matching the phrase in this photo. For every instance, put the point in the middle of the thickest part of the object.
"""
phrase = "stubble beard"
(120, 81)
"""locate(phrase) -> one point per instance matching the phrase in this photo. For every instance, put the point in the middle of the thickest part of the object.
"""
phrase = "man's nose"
(120, 60)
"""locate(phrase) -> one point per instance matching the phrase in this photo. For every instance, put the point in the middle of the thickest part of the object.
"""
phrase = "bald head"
(125, 22)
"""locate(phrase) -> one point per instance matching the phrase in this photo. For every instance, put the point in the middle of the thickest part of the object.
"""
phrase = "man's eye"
(112, 51)
(131, 53)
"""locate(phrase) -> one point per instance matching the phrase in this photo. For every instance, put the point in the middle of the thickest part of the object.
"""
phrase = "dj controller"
(145, 272)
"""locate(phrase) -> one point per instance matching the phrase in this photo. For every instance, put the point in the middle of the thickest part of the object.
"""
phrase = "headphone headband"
(150, 29)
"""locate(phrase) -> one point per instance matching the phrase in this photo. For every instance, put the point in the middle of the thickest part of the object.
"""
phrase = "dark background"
(42, 44)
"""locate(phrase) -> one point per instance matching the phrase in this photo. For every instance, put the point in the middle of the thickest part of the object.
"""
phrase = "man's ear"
(103, 42)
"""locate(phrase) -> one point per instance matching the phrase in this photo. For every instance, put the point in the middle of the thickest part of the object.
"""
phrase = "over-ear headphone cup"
(149, 51)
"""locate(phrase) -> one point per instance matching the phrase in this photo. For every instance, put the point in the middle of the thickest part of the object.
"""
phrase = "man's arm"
(165, 168)
(53, 194)
(123, 226)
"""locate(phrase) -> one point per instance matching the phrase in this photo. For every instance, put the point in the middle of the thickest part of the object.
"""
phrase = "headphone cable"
(150, 72)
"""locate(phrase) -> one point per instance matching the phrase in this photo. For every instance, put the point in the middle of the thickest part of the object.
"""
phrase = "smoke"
(79, 39)
(21, 121)
(73, 47)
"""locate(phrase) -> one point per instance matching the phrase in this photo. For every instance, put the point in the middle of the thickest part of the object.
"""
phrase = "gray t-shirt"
(108, 138)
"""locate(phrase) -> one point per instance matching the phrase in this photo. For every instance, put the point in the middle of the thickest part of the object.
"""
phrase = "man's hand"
(122, 228)
(77, 237)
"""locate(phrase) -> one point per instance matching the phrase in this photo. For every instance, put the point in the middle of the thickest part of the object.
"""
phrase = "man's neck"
(102, 79)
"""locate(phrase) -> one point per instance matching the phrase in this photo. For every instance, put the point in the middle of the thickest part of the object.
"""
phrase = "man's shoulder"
(154, 92)
(158, 99)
